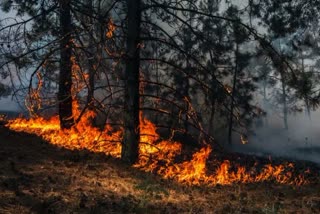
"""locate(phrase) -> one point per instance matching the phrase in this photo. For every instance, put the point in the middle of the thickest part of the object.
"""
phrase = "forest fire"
(157, 156)
(175, 106)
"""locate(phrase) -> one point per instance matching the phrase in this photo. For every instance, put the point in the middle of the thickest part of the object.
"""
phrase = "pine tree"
(131, 137)
(65, 75)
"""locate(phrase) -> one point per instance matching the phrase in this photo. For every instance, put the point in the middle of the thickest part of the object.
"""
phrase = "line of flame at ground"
(157, 156)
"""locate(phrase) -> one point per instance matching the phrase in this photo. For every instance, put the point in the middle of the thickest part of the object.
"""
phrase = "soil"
(37, 177)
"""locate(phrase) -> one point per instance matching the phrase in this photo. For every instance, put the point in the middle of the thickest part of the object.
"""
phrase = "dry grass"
(36, 177)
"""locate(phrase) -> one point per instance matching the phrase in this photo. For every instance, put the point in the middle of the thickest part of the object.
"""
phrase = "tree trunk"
(265, 100)
(284, 93)
(284, 98)
(233, 95)
(211, 118)
(212, 4)
(285, 107)
(308, 111)
(213, 103)
(131, 137)
(65, 76)
(92, 71)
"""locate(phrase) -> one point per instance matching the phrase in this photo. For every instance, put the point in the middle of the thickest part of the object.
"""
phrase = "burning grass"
(38, 177)
(158, 156)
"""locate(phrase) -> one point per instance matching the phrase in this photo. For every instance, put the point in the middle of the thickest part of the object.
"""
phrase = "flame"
(81, 136)
(228, 88)
(34, 101)
(156, 155)
(111, 29)
(243, 139)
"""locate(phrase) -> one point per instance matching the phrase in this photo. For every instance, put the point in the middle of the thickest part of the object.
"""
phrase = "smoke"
(300, 141)
(7, 104)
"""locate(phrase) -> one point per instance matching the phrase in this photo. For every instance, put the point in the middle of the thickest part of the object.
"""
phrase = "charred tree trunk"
(91, 85)
(213, 103)
(131, 138)
(187, 104)
(211, 118)
(65, 76)
(185, 83)
(233, 95)
(212, 4)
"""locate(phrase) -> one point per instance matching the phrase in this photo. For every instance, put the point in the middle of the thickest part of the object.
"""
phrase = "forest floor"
(37, 177)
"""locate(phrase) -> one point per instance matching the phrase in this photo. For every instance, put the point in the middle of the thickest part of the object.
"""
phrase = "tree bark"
(265, 100)
(65, 76)
(92, 71)
(308, 111)
(284, 102)
(131, 138)
(233, 95)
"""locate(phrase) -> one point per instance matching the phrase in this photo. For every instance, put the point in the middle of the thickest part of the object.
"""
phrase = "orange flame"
(33, 101)
(111, 29)
(156, 155)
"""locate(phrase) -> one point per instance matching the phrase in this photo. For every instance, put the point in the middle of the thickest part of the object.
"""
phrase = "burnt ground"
(37, 177)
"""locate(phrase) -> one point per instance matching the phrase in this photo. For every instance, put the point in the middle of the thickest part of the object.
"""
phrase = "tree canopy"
(195, 68)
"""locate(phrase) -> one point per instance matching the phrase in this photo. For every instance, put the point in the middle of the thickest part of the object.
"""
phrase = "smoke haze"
(300, 141)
